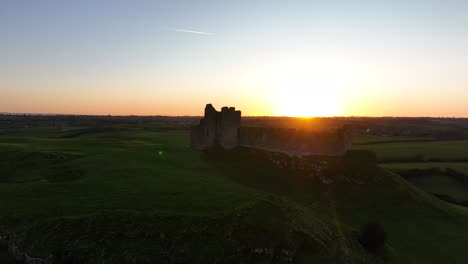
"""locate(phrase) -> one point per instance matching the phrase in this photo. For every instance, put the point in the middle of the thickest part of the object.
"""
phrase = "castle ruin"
(217, 128)
(223, 129)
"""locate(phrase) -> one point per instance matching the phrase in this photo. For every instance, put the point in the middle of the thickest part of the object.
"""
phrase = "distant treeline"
(142, 122)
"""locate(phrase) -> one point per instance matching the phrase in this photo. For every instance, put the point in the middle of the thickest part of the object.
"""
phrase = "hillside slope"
(141, 197)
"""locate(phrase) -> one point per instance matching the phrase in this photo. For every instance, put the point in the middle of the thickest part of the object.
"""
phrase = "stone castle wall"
(296, 142)
(223, 129)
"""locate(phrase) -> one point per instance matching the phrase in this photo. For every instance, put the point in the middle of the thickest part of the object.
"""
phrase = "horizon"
(268, 58)
(243, 116)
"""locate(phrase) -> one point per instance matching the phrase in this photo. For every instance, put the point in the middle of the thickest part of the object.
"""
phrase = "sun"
(302, 89)
(307, 104)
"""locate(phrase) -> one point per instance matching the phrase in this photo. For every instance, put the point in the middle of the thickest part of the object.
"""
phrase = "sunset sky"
(266, 57)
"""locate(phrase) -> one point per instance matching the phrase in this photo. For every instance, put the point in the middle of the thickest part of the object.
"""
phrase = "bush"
(373, 238)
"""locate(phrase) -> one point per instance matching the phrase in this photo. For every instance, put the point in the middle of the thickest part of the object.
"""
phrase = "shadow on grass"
(254, 168)
(281, 174)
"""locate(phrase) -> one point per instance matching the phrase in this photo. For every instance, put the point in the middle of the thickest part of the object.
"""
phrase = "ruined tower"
(217, 128)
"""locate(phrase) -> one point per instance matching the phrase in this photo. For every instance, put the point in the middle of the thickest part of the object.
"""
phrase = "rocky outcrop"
(7, 239)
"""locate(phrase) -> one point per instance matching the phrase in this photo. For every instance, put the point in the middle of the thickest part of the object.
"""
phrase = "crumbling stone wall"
(223, 129)
(296, 142)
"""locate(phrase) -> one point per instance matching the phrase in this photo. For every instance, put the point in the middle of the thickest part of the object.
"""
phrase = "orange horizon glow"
(122, 109)
(293, 87)
(278, 102)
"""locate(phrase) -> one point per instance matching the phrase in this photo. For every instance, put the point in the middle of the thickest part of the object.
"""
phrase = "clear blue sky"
(266, 57)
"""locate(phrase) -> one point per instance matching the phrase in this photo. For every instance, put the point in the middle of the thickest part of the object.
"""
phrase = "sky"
(266, 57)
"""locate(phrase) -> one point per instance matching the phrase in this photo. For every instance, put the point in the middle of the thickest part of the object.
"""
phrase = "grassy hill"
(133, 196)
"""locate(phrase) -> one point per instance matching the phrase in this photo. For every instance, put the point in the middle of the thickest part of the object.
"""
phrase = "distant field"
(439, 184)
(370, 139)
(458, 166)
(411, 155)
(442, 185)
(445, 150)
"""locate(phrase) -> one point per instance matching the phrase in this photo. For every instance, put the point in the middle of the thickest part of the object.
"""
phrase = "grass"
(458, 166)
(445, 150)
(370, 139)
(119, 171)
(207, 204)
(425, 155)
(441, 184)
(438, 184)
(409, 155)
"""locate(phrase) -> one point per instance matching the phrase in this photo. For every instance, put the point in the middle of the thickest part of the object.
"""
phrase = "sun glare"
(303, 104)
(302, 89)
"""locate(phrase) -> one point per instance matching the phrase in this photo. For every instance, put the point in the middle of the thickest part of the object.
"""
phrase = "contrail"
(191, 31)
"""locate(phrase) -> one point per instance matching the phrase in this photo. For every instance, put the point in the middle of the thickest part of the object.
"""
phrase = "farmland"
(420, 151)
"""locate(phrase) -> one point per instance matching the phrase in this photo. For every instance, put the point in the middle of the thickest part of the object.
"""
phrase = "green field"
(458, 166)
(150, 194)
(119, 171)
(439, 184)
(442, 185)
(445, 150)
(434, 154)
(370, 139)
